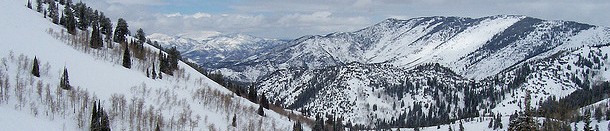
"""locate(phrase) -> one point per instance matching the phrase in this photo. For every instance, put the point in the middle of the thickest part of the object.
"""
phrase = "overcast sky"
(288, 19)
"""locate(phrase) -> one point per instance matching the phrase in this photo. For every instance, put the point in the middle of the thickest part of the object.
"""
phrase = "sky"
(289, 19)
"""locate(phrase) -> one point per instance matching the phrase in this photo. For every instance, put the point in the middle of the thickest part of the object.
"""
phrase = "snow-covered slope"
(215, 50)
(382, 73)
(186, 101)
(473, 47)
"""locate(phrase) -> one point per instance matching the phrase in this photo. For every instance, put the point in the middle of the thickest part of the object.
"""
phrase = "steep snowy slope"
(475, 48)
(214, 50)
(382, 73)
(186, 101)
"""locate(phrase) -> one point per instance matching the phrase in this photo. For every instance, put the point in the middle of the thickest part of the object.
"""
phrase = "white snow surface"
(25, 34)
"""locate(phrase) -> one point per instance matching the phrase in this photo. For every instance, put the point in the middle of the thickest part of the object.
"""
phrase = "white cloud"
(174, 15)
(199, 15)
(294, 18)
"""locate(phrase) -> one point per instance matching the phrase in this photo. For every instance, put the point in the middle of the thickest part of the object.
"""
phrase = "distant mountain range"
(216, 50)
(425, 70)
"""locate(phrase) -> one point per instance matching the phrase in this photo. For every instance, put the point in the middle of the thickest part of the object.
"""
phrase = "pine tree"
(82, 12)
(126, 58)
(524, 120)
(53, 12)
(29, 4)
(141, 36)
(498, 121)
(160, 75)
(587, 126)
(64, 81)
(62, 2)
(252, 94)
(260, 111)
(234, 123)
(99, 119)
(170, 63)
(121, 31)
(94, 118)
(70, 21)
(264, 102)
(157, 128)
(35, 66)
(106, 28)
(147, 73)
(96, 38)
(39, 6)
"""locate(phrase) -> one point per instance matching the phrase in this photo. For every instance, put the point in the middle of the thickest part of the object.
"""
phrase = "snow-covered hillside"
(186, 101)
(383, 73)
(472, 47)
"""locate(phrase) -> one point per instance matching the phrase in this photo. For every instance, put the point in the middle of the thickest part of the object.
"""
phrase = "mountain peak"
(199, 35)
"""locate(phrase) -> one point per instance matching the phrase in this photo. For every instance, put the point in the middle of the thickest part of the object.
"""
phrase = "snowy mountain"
(475, 48)
(430, 70)
(130, 99)
(214, 50)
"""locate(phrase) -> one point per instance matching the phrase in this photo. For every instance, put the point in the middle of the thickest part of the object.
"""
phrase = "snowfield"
(186, 101)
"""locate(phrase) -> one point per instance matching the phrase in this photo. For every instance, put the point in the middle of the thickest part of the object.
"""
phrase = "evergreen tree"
(498, 121)
(141, 36)
(524, 120)
(260, 111)
(62, 2)
(157, 128)
(99, 119)
(82, 12)
(29, 4)
(252, 94)
(587, 126)
(94, 118)
(53, 13)
(35, 66)
(264, 102)
(163, 63)
(121, 31)
(126, 58)
(70, 21)
(39, 6)
(96, 38)
(169, 63)
(234, 122)
(64, 81)
(106, 28)
(147, 73)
